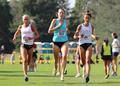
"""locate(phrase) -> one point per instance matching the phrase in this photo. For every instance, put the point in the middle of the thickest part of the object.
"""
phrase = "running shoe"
(87, 79)
(26, 78)
(106, 77)
(77, 75)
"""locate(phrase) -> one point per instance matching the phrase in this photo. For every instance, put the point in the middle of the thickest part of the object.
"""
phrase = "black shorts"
(85, 46)
(27, 47)
(107, 58)
(59, 44)
(35, 59)
(115, 54)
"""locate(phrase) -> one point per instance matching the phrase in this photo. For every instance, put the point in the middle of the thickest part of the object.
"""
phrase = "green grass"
(12, 75)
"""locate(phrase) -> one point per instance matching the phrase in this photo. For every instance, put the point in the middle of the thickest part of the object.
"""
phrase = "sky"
(72, 3)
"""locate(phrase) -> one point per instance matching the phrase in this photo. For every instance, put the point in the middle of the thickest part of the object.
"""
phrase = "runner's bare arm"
(37, 35)
(52, 27)
(76, 35)
(16, 33)
(93, 33)
(68, 31)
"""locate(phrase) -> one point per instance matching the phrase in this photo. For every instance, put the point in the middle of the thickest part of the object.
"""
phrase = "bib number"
(61, 33)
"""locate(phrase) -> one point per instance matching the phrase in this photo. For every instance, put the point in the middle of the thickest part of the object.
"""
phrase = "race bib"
(27, 39)
(61, 33)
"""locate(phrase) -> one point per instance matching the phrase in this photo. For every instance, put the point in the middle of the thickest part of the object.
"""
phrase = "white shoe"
(62, 78)
(114, 74)
(35, 70)
(54, 72)
(77, 75)
(31, 70)
(58, 74)
(84, 76)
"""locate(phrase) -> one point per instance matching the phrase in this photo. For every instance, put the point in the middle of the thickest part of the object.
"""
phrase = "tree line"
(105, 16)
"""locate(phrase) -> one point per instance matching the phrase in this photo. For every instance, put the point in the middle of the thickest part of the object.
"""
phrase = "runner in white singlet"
(28, 33)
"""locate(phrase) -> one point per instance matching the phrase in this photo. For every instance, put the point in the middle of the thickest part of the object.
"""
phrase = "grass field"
(12, 75)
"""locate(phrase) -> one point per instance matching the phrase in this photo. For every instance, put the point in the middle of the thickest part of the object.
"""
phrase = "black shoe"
(26, 78)
(87, 79)
(65, 72)
(92, 62)
(97, 61)
(106, 77)
(81, 65)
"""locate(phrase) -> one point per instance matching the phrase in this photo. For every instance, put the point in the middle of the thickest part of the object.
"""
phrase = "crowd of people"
(84, 33)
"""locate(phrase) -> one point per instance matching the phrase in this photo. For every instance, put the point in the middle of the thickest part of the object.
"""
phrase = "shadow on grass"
(31, 74)
(94, 83)
(106, 82)
(3, 79)
(66, 82)
(21, 75)
(10, 72)
(41, 75)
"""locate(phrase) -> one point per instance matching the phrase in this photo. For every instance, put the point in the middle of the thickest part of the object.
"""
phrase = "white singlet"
(26, 35)
(115, 45)
(86, 32)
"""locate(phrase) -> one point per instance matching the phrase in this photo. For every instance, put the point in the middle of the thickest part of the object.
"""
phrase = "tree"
(107, 18)
(41, 11)
(17, 12)
(76, 17)
(5, 20)
(105, 15)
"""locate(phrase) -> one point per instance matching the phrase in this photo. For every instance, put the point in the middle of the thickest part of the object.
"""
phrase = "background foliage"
(105, 17)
